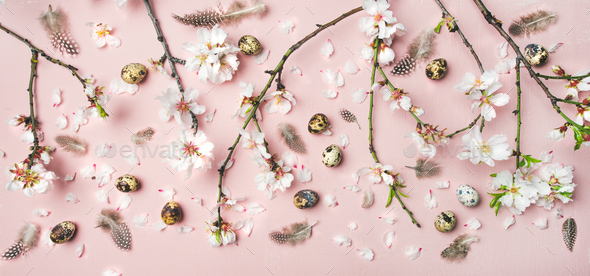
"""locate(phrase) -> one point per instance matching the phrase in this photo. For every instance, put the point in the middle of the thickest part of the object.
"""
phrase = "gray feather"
(425, 168)
(532, 23)
(570, 232)
(56, 25)
(459, 248)
(27, 240)
(293, 234)
(208, 18)
(71, 144)
(109, 220)
(291, 138)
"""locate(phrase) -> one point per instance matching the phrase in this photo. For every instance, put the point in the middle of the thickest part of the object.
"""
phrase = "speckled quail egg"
(171, 213)
(305, 199)
(317, 123)
(62, 232)
(467, 195)
(332, 156)
(127, 183)
(436, 69)
(133, 73)
(536, 54)
(445, 221)
(249, 45)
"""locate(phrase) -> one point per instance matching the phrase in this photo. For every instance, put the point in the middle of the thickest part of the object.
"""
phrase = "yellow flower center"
(485, 149)
(514, 190)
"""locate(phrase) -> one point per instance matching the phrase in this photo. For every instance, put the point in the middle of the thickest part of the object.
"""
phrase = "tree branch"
(34, 61)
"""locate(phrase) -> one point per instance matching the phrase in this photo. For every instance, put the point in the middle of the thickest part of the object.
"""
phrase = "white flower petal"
(70, 177)
(366, 254)
(261, 57)
(330, 94)
(442, 185)
(304, 174)
(473, 224)
(343, 140)
(123, 202)
(45, 238)
(350, 67)
(327, 49)
(88, 171)
(388, 238)
(558, 213)
(140, 220)
(509, 221)
(56, 97)
(118, 86)
(352, 226)
(430, 200)
(198, 200)
(254, 208)
(61, 122)
(184, 229)
(413, 252)
(541, 224)
(359, 95)
(1, 153)
(339, 79)
(228, 165)
(80, 250)
(110, 272)
(102, 149)
(40, 212)
(159, 225)
(289, 159)
(387, 220)
(72, 198)
(330, 201)
(342, 240)
(295, 70)
(104, 175)
(503, 50)
(286, 26)
(554, 47)
(131, 159)
(352, 188)
(546, 157)
(102, 196)
(209, 116)
(167, 193)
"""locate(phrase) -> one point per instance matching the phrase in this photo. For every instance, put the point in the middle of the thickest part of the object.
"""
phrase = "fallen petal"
(388, 238)
(473, 224)
(342, 240)
(542, 224)
(509, 221)
(366, 254)
(413, 252)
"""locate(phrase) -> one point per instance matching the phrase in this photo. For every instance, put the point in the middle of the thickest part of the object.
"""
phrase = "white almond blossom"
(102, 34)
(381, 21)
(488, 81)
(247, 100)
(399, 97)
(479, 151)
(378, 173)
(179, 107)
(194, 153)
(272, 178)
(36, 179)
(559, 178)
(256, 141)
(220, 235)
(486, 100)
(556, 134)
(280, 100)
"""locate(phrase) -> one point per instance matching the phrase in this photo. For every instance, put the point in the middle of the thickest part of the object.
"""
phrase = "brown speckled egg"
(62, 232)
(171, 213)
(536, 54)
(445, 221)
(332, 156)
(436, 69)
(317, 123)
(305, 199)
(127, 183)
(133, 73)
(249, 45)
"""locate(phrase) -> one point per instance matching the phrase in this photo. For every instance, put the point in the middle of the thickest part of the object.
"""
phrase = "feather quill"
(458, 249)
(421, 47)
(55, 23)
(293, 234)
(425, 168)
(368, 199)
(27, 240)
(142, 136)
(532, 23)
(71, 144)
(291, 138)
(570, 232)
(208, 18)
(109, 220)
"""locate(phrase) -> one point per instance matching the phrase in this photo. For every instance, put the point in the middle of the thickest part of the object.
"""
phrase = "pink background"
(516, 250)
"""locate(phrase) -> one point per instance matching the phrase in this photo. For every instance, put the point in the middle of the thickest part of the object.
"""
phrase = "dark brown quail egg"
(127, 183)
(62, 232)
(305, 199)
(332, 156)
(133, 73)
(171, 213)
(249, 45)
(536, 54)
(436, 69)
(445, 221)
(317, 123)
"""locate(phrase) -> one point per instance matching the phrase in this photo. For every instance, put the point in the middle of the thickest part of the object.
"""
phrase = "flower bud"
(558, 70)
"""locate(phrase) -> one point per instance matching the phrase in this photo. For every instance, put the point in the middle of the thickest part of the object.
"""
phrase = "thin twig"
(465, 128)
(566, 77)
(173, 61)
(34, 61)
(497, 24)
(518, 111)
(375, 65)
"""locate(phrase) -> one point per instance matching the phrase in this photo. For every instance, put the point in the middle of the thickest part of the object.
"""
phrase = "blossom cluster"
(379, 25)
(427, 137)
(194, 152)
(481, 91)
(97, 98)
(479, 151)
(179, 105)
(27, 136)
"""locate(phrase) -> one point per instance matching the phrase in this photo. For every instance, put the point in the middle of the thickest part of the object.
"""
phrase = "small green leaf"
(440, 24)
(390, 197)
(522, 163)
(498, 204)
(493, 202)
(494, 175)
(402, 194)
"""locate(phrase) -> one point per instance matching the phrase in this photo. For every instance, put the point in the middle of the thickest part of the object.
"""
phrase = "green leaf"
(402, 194)
(522, 163)
(498, 204)
(390, 197)
(493, 202)
(218, 236)
(440, 24)
(578, 145)
(494, 175)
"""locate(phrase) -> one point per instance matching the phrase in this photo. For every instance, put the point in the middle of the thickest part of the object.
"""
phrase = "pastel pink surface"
(522, 249)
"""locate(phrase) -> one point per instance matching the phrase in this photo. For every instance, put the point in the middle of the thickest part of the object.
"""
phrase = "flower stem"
(34, 61)
(375, 65)
(518, 111)
(465, 128)
(392, 187)
(465, 41)
(497, 24)
(567, 77)
(172, 60)
(260, 130)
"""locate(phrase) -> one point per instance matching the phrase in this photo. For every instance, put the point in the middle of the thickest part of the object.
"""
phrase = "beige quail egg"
(171, 213)
(249, 45)
(536, 54)
(332, 156)
(305, 199)
(436, 69)
(133, 73)
(127, 183)
(317, 123)
(445, 221)
(62, 232)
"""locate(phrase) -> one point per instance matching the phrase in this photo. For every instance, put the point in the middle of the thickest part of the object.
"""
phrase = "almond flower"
(380, 22)
(275, 176)
(256, 141)
(378, 173)
(478, 150)
(195, 152)
(102, 34)
(36, 179)
(247, 101)
(399, 97)
(174, 104)
(279, 101)
(218, 235)
(557, 134)
(486, 100)
(488, 81)
(560, 180)
(519, 195)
